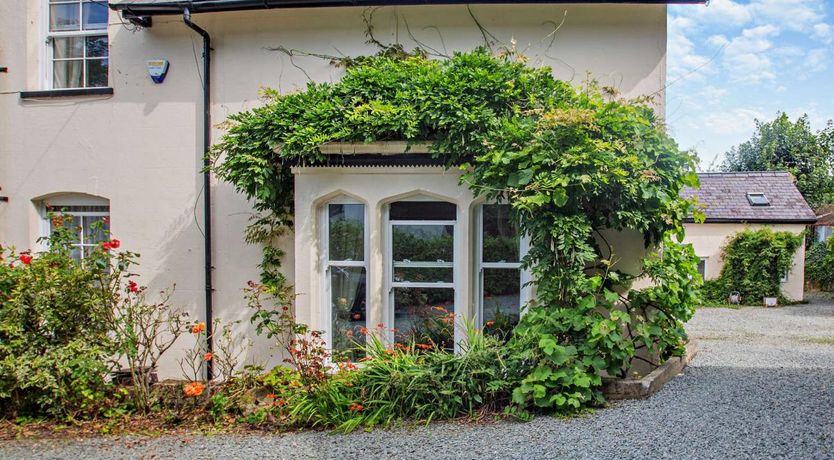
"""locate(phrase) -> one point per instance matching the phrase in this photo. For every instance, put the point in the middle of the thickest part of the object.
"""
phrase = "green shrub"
(754, 263)
(54, 315)
(819, 265)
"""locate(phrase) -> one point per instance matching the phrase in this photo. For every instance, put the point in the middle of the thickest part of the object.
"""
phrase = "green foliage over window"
(755, 261)
(571, 162)
(819, 264)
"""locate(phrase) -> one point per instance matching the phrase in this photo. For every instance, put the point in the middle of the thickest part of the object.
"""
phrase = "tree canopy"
(790, 146)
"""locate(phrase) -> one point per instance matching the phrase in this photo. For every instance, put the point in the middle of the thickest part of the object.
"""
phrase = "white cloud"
(746, 56)
(718, 40)
(799, 15)
(823, 32)
(732, 122)
(718, 12)
(682, 58)
(816, 60)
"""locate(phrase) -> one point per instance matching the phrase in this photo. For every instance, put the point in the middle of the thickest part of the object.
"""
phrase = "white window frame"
(326, 312)
(47, 53)
(390, 284)
(46, 222)
(525, 295)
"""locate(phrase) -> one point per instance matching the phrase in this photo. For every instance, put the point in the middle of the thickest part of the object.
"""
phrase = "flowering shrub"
(54, 318)
(66, 324)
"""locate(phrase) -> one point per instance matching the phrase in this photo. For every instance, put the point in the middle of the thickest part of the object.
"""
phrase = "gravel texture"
(762, 386)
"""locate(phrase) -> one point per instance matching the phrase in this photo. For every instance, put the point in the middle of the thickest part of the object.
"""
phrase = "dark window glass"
(423, 210)
(97, 46)
(758, 199)
(346, 231)
(347, 291)
(95, 15)
(502, 300)
(500, 234)
(96, 73)
(425, 316)
(423, 253)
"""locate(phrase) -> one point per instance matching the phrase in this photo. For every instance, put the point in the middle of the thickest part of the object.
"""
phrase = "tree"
(790, 146)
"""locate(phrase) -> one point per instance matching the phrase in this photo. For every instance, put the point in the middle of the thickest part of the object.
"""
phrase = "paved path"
(762, 386)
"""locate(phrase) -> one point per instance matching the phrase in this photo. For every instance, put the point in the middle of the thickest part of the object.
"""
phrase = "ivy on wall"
(754, 263)
(819, 264)
(572, 162)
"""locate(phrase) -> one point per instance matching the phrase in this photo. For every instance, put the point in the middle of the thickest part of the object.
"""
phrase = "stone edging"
(615, 389)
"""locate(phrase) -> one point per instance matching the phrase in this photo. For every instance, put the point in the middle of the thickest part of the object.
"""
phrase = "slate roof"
(723, 198)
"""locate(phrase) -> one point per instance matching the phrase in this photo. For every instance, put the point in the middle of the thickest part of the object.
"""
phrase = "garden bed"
(615, 389)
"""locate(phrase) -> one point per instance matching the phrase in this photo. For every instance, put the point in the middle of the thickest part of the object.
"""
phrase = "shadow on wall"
(181, 262)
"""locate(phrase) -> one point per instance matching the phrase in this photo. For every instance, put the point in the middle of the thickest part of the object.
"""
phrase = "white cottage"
(106, 112)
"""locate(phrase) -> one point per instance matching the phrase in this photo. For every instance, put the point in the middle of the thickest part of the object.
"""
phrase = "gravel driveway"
(762, 386)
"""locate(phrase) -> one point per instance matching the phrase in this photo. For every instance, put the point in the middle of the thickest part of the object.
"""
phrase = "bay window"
(77, 44)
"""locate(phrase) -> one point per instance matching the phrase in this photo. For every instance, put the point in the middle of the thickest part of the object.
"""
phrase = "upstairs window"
(77, 45)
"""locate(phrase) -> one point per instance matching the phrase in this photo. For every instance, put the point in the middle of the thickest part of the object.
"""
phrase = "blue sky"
(730, 62)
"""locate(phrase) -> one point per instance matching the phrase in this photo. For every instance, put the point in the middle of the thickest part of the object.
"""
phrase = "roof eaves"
(721, 220)
(145, 8)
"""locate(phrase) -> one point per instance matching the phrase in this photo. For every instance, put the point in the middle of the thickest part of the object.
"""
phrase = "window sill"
(55, 93)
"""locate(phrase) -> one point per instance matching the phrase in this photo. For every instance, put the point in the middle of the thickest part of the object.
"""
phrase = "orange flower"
(280, 402)
(423, 346)
(355, 407)
(271, 396)
(490, 323)
(194, 389)
(198, 328)
(208, 356)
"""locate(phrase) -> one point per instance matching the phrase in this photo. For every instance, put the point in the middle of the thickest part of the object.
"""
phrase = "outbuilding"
(733, 202)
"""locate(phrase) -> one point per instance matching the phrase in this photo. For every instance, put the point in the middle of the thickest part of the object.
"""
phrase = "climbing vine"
(754, 263)
(574, 163)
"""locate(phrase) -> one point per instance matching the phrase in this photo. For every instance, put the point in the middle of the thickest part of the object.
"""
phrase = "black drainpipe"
(186, 17)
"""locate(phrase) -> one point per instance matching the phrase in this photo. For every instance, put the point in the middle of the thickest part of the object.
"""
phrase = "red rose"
(106, 246)
(26, 259)
(132, 286)
(114, 244)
